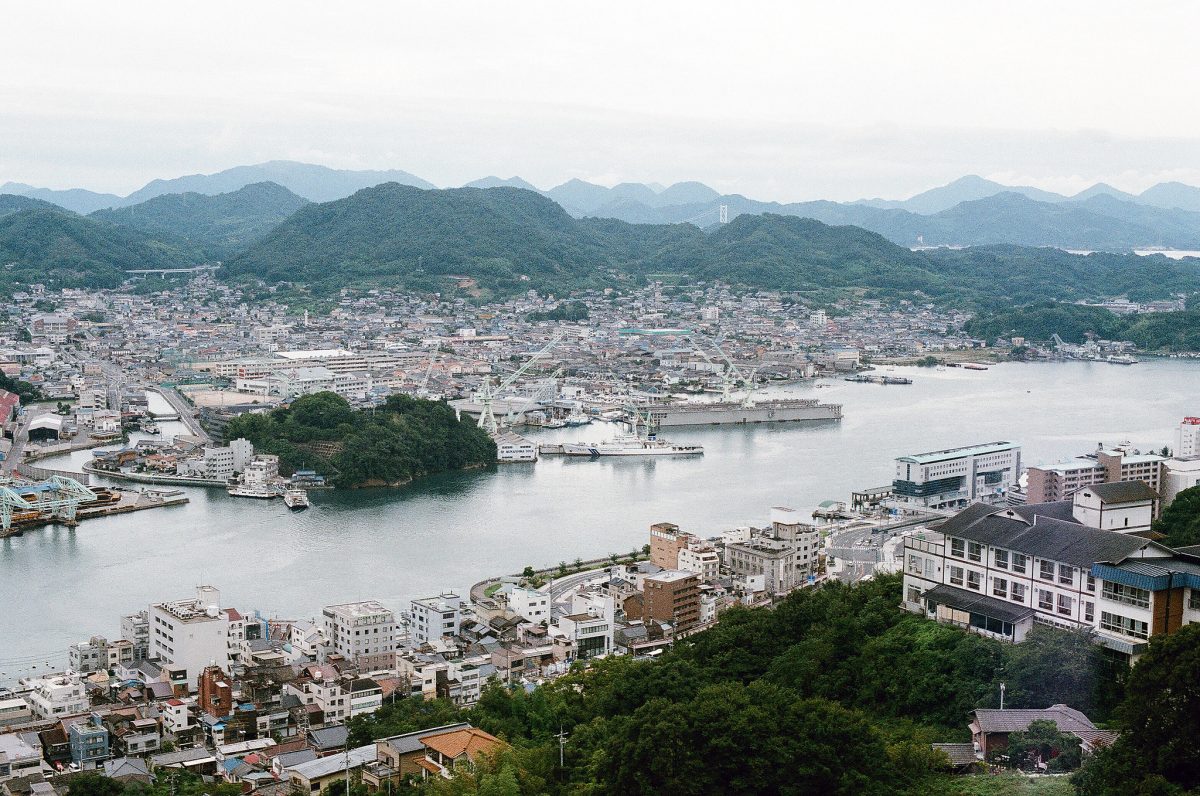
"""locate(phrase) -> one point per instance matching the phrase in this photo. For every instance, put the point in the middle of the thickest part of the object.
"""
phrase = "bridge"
(164, 271)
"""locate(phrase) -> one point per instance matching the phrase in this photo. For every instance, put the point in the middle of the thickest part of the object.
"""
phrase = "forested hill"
(11, 203)
(219, 224)
(510, 240)
(60, 249)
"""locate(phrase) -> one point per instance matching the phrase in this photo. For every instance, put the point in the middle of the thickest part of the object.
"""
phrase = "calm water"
(58, 586)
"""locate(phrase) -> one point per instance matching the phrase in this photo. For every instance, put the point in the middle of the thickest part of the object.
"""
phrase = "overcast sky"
(786, 101)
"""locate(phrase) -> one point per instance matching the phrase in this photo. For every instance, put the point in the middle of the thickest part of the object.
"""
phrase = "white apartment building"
(55, 696)
(1178, 474)
(261, 471)
(997, 571)
(436, 617)
(327, 694)
(1187, 438)
(1123, 506)
(218, 462)
(589, 627)
(194, 632)
(532, 604)
(957, 476)
(701, 558)
(363, 632)
(18, 758)
(243, 453)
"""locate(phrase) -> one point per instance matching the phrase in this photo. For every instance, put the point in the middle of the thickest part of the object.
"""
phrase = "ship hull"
(720, 414)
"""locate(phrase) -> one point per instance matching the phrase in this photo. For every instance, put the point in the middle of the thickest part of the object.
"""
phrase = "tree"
(1180, 521)
(91, 784)
(1043, 742)
(1055, 667)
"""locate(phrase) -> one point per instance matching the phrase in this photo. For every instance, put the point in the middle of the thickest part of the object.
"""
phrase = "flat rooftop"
(958, 453)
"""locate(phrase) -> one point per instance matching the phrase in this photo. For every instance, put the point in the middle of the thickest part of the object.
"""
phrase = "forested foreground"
(836, 691)
(405, 438)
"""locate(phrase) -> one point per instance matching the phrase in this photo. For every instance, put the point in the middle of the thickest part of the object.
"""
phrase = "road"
(184, 409)
(20, 437)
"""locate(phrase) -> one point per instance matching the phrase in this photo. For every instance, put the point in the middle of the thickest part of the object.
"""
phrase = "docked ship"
(735, 412)
(1122, 359)
(295, 499)
(263, 491)
(631, 445)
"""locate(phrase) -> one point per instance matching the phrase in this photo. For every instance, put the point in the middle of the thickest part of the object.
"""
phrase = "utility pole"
(562, 744)
(1002, 696)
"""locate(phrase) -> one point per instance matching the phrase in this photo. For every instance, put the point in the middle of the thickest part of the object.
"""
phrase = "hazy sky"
(776, 100)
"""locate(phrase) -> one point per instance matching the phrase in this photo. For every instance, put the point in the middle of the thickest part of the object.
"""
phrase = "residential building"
(192, 633)
(701, 558)
(88, 656)
(1122, 506)
(777, 559)
(20, 755)
(672, 596)
(1187, 439)
(1178, 474)
(589, 627)
(215, 694)
(957, 476)
(446, 752)
(990, 728)
(135, 629)
(530, 604)
(14, 710)
(399, 756)
(436, 617)
(666, 540)
(1054, 482)
(88, 741)
(315, 775)
(997, 571)
(55, 696)
(364, 632)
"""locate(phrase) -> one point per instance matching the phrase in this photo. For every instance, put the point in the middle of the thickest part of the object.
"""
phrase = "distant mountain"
(635, 199)
(1103, 189)
(77, 200)
(964, 189)
(218, 224)
(497, 182)
(685, 193)
(1172, 195)
(62, 249)
(315, 183)
(579, 197)
(13, 203)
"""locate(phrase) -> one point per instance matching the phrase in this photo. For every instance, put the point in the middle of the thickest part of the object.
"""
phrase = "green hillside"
(220, 224)
(60, 249)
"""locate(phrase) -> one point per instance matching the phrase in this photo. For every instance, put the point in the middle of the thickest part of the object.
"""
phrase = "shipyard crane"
(422, 390)
(537, 396)
(731, 374)
(488, 392)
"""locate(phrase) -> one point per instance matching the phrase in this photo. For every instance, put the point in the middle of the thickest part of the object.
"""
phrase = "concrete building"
(1187, 438)
(135, 628)
(783, 555)
(1178, 474)
(243, 452)
(88, 741)
(957, 476)
(1054, 482)
(702, 558)
(436, 617)
(215, 694)
(589, 627)
(666, 540)
(55, 696)
(20, 755)
(363, 632)
(672, 596)
(193, 633)
(531, 604)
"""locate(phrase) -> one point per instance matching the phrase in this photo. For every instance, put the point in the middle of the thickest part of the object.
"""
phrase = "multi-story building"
(89, 742)
(88, 656)
(13, 710)
(436, 617)
(363, 632)
(997, 571)
(1122, 506)
(531, 604)
(672, 596)
(214, 693)
(20, 755)
(1178, 474)
(589, 626)
(1187, 438)
(957, 476)
(55, 696)
(666, 540)
(776, 559)
(702, 558)
(192, 633)
(1054, 482)
(135, 629)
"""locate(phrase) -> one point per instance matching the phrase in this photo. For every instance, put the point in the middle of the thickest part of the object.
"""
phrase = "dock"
(109, 501)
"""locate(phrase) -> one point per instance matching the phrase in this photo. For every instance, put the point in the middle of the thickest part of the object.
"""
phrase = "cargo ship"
(739, 412)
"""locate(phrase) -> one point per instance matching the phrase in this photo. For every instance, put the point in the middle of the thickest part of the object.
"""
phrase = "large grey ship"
(735, 412)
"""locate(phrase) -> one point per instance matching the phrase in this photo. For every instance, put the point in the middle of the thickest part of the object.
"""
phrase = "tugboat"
(295, 499)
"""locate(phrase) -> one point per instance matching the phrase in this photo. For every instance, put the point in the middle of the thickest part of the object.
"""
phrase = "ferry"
(1122, 359)
(630, 445)
(295, 499)
(251, 491)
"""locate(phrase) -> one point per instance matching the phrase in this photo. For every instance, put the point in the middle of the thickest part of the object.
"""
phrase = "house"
(1121, 506)
(128, 769)
(990, 728)
(314, 775)
(399, 756)
(446, 751)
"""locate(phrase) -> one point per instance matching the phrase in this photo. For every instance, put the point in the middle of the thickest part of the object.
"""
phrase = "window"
(1018, 592)
(956, 576)
(1001, 559)
(929, 570)
(956, 547)
(1047, 570)
(973, 580)
(1194, 599)
(1066, 575)
(1064, 604)
(1124, 625)
(1045, 600)
(914, 564)
(1000, 587)
(1129, 595)
(975, 551)
(1091, 582)
(1018, 563)
(914, 594)
(1089, 611)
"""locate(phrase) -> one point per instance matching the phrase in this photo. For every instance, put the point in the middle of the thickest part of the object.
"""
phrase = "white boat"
(577, 419)
(554, 422)
(151, 428)
(295, 499)
(629, 445)
(1122, 359)
(239, 489)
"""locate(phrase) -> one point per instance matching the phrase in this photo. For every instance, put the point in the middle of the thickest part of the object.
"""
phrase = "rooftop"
(957, 453)
(1018, 720)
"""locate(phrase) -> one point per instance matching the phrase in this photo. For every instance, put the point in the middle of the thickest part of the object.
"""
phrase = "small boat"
(577, 419)
(295, 499)
(151, 428)
(554, 422)
(629, 445)
(1122, 359)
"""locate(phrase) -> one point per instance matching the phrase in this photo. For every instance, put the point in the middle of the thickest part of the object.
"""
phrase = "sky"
(783, 101)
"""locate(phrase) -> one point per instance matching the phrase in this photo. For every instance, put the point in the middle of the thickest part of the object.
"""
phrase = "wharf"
(109, 502)
(145, 478)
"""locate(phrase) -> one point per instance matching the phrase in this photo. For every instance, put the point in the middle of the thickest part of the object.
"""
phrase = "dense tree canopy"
(403, 439)
(1180, 521)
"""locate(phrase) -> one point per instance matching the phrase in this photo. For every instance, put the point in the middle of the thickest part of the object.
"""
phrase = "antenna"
(724, 214)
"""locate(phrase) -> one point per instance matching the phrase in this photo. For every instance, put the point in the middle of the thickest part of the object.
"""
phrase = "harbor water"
(60, 585)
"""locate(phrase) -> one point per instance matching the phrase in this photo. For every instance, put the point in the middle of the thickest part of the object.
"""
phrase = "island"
(389, 445)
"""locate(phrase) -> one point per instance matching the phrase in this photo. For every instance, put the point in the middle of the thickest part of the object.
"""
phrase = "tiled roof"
(1124, 491)
(1068, 719)
(965, 600)
(456, 743)
(960, 754)
(411, 741)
